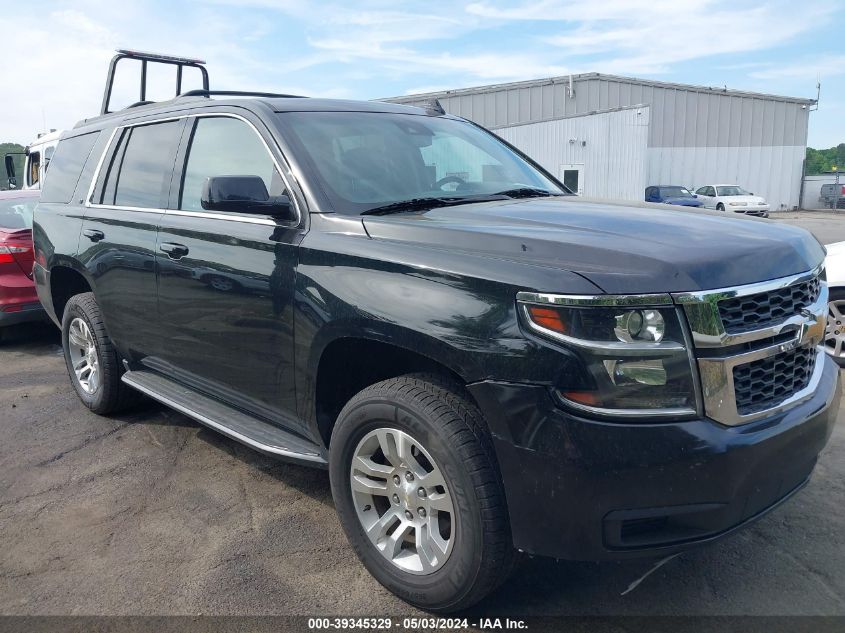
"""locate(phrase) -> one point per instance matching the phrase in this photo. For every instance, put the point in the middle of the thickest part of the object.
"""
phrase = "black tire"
(720, 207)
(836, 294)
(451, 428)
(111, 395)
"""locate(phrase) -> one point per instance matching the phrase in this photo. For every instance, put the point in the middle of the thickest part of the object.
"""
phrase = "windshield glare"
(16, 213)
(365, 160)
(675, 192)
(731, 191)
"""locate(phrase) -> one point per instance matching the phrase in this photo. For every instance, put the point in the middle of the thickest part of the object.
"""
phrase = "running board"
(231, 422)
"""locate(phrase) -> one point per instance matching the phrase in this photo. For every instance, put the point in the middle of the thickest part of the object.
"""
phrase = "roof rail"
(145, 58)
(238, 93)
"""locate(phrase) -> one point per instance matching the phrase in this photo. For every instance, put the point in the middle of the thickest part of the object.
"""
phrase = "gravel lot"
(150, 513)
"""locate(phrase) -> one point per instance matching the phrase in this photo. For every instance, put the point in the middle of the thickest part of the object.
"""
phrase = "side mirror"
(10, 171)
(243, 194)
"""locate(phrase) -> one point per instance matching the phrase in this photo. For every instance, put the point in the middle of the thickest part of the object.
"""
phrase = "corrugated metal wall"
(696, 136)
(682, 116)
(611, 147)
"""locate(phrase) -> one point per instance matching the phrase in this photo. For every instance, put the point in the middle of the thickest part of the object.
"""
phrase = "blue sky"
(380, 48)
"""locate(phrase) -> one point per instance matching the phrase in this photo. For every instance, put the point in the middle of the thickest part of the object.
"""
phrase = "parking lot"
(150, 513)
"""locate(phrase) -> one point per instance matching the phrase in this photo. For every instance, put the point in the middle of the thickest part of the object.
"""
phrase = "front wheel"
(720, 207)
(834, 336)
(418, 492)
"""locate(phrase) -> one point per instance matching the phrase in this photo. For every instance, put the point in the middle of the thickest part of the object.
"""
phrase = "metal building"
(617, 135)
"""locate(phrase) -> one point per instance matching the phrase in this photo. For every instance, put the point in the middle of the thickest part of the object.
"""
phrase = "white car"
(732, 198)
(834, 337)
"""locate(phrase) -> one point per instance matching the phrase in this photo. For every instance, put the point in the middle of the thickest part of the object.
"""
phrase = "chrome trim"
(594, 300)
(248, 219)
(99, 167)
(617, 348)
(702, 311)
(720, 396)
(629, 414)
(708, 332)
(235, 435)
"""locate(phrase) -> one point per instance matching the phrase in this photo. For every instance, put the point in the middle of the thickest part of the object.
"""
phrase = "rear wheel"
(92, 362)
(418, 492)
(834, 336)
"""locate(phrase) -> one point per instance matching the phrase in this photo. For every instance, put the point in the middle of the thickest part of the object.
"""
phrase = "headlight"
(634, 357)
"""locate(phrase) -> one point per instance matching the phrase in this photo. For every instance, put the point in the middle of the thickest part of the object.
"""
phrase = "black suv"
(485, 363)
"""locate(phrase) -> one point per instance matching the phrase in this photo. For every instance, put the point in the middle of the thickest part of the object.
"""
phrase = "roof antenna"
(434, 106)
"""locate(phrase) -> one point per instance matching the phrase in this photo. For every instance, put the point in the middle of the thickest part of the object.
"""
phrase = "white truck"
(36, 160)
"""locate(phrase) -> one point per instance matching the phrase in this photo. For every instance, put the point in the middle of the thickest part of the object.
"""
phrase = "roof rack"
(238, 93)
(145, 58)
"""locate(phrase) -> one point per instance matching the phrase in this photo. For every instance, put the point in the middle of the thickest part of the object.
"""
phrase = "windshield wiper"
(527, 192)
(415, 204)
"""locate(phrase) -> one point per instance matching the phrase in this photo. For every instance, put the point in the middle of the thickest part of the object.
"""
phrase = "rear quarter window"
(66, 167)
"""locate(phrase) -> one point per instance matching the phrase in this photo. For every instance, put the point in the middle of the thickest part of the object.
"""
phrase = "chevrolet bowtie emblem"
(812, 330)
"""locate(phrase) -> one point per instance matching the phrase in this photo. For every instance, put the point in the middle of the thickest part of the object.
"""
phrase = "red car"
(18, 300)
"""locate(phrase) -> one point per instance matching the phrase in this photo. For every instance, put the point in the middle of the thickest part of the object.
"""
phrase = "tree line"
(822, 160)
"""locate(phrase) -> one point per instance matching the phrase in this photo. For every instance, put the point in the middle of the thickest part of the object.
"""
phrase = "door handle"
(173, 250)
(93, 234)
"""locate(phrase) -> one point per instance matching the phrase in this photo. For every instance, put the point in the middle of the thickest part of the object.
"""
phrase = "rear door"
(118, 242)
(226, 280)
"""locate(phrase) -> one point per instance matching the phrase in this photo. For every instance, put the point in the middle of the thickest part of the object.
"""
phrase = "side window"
(223, 146)
(649, 193)
(66, 167)
(141, 166)
(32, 176)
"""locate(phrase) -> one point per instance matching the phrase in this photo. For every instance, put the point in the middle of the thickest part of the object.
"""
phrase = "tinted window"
(732, 190)
(66, 166)
(223, 146)
(16, 213)
(363, 160)
(675, 192)
(139, 174)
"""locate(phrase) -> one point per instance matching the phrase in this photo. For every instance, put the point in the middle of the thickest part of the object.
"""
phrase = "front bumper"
(582, 489)
(759, 211)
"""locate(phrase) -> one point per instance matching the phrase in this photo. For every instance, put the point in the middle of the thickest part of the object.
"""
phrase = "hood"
(684, 201)
(621, 249)
(745, 199)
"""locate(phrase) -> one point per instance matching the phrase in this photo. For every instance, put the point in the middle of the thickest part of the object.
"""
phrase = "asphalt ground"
(151, 514)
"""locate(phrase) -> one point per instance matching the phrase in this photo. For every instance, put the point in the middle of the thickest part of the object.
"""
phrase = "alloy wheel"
(83, 355)
(402, 501)
(834, 335)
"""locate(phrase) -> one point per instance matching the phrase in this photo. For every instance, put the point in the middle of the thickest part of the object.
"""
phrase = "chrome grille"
(765, 383)
(758, 346)
(750, 312)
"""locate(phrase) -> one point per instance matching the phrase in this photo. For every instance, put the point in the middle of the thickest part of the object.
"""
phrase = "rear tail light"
(19, 253)
(7, 253)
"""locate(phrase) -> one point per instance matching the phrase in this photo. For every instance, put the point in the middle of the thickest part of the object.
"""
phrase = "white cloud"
(819, 65)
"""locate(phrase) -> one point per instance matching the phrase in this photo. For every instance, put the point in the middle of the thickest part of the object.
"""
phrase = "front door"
(572, 176)
(226, 280)
(707, 195)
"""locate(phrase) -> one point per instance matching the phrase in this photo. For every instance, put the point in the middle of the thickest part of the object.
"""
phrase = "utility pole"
(837, 189)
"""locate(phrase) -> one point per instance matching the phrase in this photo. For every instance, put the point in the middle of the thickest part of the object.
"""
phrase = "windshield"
(731, 190)
(675, 192)
(16, 213)
(366, 160)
